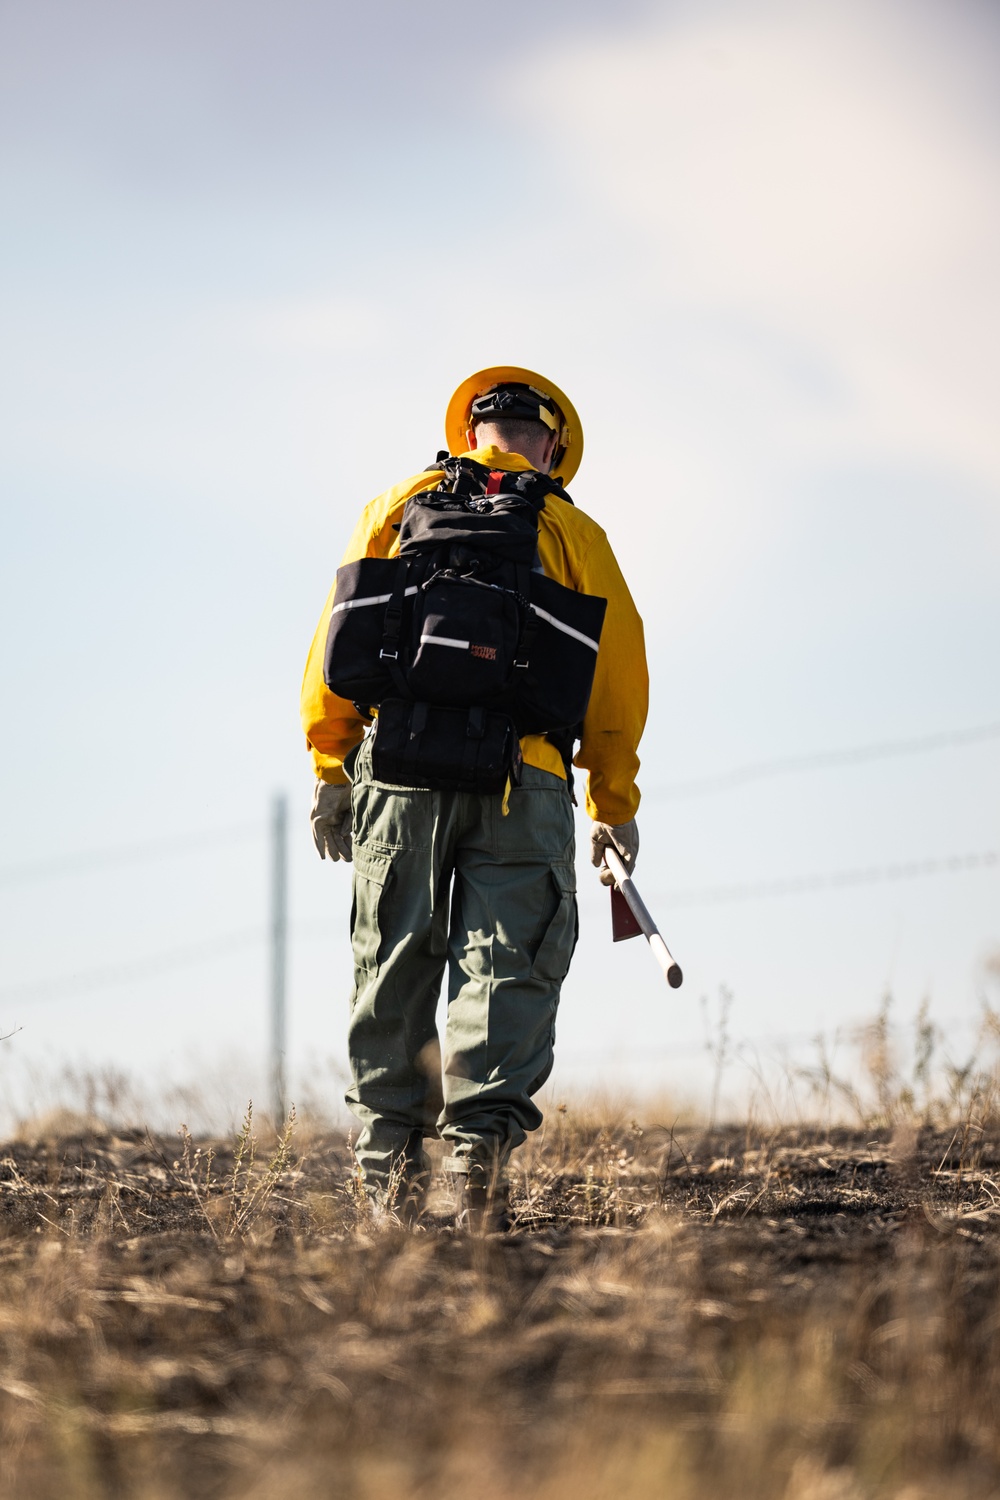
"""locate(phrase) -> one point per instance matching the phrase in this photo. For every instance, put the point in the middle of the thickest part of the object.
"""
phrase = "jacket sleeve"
(332, 725)
(616, 715)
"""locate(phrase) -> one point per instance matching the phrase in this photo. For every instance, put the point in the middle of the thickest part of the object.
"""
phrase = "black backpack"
(461, 642)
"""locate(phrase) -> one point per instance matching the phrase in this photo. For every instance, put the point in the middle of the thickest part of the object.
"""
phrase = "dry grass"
(690, 1314)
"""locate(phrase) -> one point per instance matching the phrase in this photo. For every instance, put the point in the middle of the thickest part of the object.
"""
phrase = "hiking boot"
(400, 1202)
(482, 1200)
(410, 1200)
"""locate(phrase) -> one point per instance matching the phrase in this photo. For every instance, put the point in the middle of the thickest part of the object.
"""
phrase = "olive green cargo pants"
(445, 880)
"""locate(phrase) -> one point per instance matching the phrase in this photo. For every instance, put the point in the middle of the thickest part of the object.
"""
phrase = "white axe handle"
(640, 911)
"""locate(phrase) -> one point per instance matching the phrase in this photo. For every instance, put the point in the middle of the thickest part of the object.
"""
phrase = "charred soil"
(684, 1313)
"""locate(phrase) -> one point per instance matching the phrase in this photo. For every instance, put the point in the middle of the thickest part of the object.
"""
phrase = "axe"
(629, 917)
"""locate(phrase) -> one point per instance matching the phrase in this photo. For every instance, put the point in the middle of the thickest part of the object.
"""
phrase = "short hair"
(514, 429)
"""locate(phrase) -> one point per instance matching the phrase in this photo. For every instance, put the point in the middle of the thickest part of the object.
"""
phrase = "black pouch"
(445, 749)
(464, 636)
(557, 654)
(353, 665)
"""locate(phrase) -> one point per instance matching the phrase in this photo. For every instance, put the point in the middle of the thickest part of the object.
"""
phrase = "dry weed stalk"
(232, 1206)
(252, 1187)
(389, 1210)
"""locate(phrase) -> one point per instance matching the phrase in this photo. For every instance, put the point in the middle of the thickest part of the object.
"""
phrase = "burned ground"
(680, 1313)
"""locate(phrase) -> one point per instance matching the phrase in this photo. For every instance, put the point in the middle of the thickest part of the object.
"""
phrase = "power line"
(157, 849)
(700, 786)
(185, 957)
(833, 880)
(143, 968)
(848, 1034)
(190, 956)
(122, 854)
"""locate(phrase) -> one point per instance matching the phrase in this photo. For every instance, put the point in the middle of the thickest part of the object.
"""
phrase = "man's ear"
(470, 438)
(550, 449)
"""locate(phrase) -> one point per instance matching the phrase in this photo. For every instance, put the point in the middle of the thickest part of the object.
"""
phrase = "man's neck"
(499, 458)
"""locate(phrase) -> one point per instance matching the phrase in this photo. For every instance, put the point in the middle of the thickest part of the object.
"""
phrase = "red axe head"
(623, 922)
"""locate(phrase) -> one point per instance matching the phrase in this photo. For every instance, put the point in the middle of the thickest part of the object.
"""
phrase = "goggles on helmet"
(521, 402)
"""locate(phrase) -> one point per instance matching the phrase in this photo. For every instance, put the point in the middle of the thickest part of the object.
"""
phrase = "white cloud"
(808, 171)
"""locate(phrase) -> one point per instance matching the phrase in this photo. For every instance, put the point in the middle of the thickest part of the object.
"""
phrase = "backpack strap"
(469, 477)
(391, 628)
(411, 750)
(475, 728)
(564, 741)
(529, 622)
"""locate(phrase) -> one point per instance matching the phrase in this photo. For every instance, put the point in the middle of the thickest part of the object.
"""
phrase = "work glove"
(622, 836)
(332, 821)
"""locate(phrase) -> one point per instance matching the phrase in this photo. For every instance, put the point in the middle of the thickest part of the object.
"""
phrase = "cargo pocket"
(371, 872)
(555, 950)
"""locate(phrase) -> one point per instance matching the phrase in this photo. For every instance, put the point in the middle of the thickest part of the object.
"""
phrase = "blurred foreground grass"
(795, 1314)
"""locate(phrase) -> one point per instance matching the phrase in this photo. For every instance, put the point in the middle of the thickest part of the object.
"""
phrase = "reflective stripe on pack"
(444, 640)
(577, 635)
(370, 599)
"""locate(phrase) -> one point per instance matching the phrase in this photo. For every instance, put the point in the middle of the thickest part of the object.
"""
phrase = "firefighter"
(448, 881)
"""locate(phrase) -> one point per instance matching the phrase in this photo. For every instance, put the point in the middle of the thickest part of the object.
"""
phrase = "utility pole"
(279, 952)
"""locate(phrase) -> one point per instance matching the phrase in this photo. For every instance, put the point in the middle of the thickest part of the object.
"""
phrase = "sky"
(248, 251)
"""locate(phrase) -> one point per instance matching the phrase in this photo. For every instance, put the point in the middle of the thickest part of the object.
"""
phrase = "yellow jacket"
(574, 551)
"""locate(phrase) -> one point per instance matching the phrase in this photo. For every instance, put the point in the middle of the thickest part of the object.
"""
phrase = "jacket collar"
(496, 458)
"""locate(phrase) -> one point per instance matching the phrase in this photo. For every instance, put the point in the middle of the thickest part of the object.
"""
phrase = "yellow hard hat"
(563, 418)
